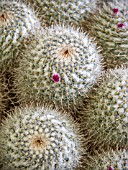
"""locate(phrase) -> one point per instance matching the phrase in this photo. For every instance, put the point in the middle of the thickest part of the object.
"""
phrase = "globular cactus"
(57, 11)
(109, 25)
(107, 111)
(111, 160)
(40, 138)
(60, 67)
(17, 23)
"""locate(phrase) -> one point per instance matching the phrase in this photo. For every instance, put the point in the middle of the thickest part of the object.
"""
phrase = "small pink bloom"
(121, 25)
(56, 78)
(115, 10)
(110, 168)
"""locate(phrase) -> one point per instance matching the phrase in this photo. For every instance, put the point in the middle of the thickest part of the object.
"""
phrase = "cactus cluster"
(64, 90)
(17, 22)
(61, 67)
(40, 138)
(108, 109)
(110, 28)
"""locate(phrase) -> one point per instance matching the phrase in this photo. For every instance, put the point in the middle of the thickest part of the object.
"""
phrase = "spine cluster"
(71, 11)
(3, 94)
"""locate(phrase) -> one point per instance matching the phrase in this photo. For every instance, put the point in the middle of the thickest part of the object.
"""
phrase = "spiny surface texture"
(61, 67)
(3, 94)
(110, 27)
(40, 138)
(17, 22)
(112, 160)
(108, 110)
(72, 11)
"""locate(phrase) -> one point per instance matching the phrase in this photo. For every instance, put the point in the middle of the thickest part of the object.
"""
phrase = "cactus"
(110, 28)
(107, 113)
(71, 11)
(17, 22)
(3, 94)
(40, 138)
(111, 160)
(59, 67)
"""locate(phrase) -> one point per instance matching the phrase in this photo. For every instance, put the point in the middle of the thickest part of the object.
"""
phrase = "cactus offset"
(17, 22)
(107, 119)
(110, 28)
(63, 65)
(40, 138)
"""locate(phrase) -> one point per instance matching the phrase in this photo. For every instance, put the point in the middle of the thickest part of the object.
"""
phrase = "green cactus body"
(61, 67)
(112, 160)
(108, 110)
(17, 22)
(40, 138)
(72, 11)
(110, 27)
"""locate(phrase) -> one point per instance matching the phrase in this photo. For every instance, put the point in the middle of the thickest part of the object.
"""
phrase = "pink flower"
(110, 168)
(56, 78)
(115, 10)
(121, 25)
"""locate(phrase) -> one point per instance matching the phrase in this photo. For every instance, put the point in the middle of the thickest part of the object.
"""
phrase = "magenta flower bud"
(121, 25)
(115, 10)
(56, 78)
(110, 168)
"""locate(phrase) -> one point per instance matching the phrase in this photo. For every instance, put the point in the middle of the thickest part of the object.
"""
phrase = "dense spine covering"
(17, 22)
(107, 119)
(40, 138)
(111, 160)
(110, 28)
(62, 67)
(3, 94)
(71, 11)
